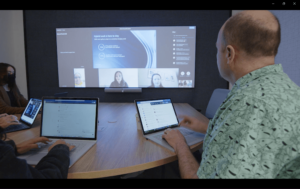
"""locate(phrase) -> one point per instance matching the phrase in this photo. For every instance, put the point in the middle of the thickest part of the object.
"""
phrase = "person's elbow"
(190, 176)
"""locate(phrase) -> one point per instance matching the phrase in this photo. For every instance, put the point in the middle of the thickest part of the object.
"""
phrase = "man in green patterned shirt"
(255, 133)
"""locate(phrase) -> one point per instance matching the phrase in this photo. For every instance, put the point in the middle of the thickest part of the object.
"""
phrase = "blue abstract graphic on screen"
(124, 49)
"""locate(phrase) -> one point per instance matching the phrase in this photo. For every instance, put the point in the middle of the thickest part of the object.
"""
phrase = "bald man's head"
(257, 33)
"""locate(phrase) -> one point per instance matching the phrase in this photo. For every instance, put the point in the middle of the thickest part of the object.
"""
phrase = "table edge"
(130, 169)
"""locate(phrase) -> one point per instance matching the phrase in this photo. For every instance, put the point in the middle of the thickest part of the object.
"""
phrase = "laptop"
(156, 115)
(28, 116)
(71, 119)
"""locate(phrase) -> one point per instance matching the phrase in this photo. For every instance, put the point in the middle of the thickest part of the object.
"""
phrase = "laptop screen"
(69, 118)
(31, 111)
(156, 115)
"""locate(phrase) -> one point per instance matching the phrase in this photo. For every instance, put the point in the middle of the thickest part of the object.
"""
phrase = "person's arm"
(188, 165)
(54, 165)
(4, 108)
(7, 120)
(22, 100)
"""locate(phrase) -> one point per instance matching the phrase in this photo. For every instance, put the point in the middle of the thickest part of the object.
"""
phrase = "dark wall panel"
(40, 46)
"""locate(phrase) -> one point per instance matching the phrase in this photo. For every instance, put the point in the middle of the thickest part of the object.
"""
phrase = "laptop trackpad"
(158, 139)
(35, 158)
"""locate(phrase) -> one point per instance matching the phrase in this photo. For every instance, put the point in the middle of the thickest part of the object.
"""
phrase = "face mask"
(10, 80)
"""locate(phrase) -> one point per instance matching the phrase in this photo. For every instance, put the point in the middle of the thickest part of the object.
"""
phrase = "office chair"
(216, 99)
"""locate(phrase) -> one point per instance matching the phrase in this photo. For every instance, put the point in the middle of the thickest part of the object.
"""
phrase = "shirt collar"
(255, 75)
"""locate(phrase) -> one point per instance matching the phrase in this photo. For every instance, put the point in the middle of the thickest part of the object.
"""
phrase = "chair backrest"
(216, 99)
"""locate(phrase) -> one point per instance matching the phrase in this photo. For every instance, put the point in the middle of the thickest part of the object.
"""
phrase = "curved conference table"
(121, 147)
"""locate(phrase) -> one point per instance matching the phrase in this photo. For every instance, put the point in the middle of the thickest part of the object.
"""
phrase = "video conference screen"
(155, 57)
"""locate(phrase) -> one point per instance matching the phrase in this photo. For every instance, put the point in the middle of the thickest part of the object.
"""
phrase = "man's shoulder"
(276, 90)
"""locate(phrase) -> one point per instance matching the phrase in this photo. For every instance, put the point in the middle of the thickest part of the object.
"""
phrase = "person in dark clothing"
(118, 81)
(54, 165)
(156, 81)
(11, 100)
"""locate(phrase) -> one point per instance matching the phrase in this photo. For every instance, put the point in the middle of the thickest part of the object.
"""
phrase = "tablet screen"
(31, 110)
(156, 115)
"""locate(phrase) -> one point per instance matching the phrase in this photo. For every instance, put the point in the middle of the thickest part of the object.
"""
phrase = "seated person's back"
(256, 127)
(255, 132)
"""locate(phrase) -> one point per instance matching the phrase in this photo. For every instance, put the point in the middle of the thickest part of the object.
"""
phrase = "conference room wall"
(40, 43)
(12, 48)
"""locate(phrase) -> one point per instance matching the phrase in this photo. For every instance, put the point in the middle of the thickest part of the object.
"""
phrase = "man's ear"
(230, 55)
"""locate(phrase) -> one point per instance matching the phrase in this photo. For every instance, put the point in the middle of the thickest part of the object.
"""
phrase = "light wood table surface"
(121, 147)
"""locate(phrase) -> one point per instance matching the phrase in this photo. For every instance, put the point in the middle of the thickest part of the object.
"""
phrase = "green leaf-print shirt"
(256, 131)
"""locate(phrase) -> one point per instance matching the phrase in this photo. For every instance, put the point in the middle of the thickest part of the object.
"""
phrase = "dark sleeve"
(13, 145)
(54, 165)
(4, 108)
(22, 100)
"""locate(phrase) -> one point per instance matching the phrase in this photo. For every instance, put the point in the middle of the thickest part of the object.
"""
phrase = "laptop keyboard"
(15, 128)
(184, 132)
(44, 147)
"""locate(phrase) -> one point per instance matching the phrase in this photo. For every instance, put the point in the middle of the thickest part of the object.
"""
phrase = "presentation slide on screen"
(158, 57)
(124, 49)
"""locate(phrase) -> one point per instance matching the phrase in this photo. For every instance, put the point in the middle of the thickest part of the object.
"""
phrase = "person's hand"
(61, 142)
(174, 138)
(194, 123)
(2, 115)
(31, 144)
(7, 120)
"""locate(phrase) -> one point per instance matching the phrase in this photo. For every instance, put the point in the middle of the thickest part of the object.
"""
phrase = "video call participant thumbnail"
(11, 100)
(78, 81)
(156, 81)
(118, 80)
